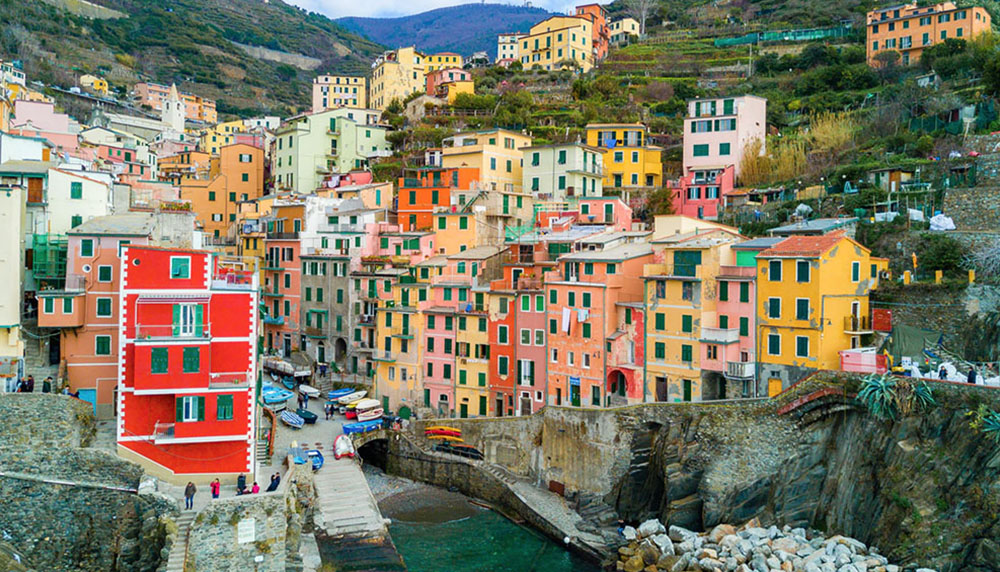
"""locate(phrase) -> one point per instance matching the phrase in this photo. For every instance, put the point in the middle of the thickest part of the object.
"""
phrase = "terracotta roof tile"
(803, 245)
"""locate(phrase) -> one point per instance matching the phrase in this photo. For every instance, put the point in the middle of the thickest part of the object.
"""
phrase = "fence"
(797, 35)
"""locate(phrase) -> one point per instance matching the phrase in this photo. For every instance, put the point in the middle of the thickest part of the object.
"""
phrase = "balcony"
(597, 170)
(172, 332)
(518, 258)
(523, 283)
(272, 294)
(382, 355)
(228, 380)
(274, 320)
(857, 325)
(720, 335)
(740, 369)
(367, 320)
(163, 431)
(314, 332)
(230, 279)
(275, 235)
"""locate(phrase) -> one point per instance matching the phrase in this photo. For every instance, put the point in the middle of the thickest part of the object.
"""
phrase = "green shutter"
(723, 291)
(744, 326)
(686, 323)
(201, 408)
(199, 326)
(660, 321)
(180, 409)
(177, 320)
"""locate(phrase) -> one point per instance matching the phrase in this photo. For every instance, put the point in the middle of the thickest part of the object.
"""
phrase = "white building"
(12, 215)
(507, 47)
(716, 130)
(75, 197)
(622, 30)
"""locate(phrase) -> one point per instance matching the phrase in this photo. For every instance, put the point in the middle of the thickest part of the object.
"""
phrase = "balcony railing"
(720, 335)
(163, 430)
(224, 380)
(523, 283)
(367, 320)
(228, 279)
(275, 235)
(740, 369)
(274, 320)
(383, 355)
(158, 331)
(857, 325)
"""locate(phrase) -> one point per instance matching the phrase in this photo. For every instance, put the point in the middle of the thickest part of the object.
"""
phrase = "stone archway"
(617, 387)
(340, 350)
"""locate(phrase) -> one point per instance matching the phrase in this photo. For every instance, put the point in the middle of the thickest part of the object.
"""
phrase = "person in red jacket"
(215, 487)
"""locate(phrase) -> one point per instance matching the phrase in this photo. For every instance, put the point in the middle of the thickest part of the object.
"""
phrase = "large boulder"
(634, 564)
(651, 527)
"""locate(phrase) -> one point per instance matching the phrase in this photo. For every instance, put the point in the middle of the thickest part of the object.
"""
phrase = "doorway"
(574, 395)
(525, 403)
(773, 386)
(499, 405)
(54, 350)
(687, 389)
(662, 393)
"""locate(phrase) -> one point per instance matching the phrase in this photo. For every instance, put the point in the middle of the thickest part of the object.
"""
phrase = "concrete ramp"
(346, 503)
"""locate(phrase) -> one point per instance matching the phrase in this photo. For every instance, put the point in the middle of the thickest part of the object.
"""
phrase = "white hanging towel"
(582, 314)
(565, 320)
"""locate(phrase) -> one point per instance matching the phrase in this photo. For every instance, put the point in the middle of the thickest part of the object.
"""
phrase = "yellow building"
(680, 301)
(453, 88)
(812, 302)
(329, 91)
(214, 138)
(472, 342)
(395, 75)
(94, 84)
(495, 152)
(6, 111)
(558, 42)
(397, 355)
(441, 61)
(629, 162)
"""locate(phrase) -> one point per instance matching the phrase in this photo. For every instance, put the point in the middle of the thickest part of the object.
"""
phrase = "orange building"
(281, 290)
(600, 38)
(185, 166)
(238, 176)
(427, 188)
(909, 28)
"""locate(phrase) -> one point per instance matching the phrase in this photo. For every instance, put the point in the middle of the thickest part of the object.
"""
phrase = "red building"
(427, 188)
(702, 192)
(187, 362)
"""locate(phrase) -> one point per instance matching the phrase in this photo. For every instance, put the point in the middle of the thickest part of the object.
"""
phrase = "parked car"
(460, 449)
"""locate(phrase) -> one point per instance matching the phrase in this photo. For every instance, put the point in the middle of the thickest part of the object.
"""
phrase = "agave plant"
(991, 426)
(878, 393)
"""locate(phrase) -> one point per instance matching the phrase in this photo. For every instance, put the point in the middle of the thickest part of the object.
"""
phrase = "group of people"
(303, 401)
(241, 489)
(969, 378)
(27, 385)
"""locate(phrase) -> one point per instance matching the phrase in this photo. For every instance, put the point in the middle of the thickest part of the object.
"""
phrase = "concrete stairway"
(175, 562)
(345, 501)
(263, 459)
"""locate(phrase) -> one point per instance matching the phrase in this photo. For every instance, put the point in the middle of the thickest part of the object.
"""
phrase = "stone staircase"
(498, 472)
(175, 561)
(263, 459)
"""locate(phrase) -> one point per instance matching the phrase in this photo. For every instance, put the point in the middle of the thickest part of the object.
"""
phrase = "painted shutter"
(180, 409)
(201, 409)
(199, 327)
(177, 320)
(531, 371)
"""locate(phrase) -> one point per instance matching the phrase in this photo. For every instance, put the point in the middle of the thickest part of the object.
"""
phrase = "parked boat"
(352, 397)
(368, 409)
(307, 416)
(271, 394)
(350, 410)
(343, 447)
(446, 438)
(291, 419)
(362, 427)
(338, 393)
(309, 391)
(289, 382)
(447, 431)
(316, 457)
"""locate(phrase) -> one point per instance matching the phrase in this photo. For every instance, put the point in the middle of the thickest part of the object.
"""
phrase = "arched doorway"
(340, 350)
(617, 387)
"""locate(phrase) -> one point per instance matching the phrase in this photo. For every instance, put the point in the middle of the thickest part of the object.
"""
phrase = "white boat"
(309, 391)
(352, 397)
(368, 410)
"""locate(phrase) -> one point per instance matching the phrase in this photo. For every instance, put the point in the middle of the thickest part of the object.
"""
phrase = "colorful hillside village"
(160, 259)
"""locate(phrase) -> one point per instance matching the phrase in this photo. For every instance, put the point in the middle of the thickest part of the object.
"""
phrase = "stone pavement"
(554, 509)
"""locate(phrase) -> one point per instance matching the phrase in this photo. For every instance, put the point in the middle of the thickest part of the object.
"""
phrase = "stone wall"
(67, 508)
(973, 208)
(944, 308)
(253, 532)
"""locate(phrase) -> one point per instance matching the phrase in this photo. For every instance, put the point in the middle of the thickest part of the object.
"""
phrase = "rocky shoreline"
(749, 548)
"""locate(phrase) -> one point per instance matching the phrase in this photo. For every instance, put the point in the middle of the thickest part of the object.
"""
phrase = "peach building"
(196, 107)
(909, 28)
(239, 176)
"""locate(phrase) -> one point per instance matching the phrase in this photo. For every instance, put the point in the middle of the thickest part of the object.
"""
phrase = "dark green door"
(463, 410)
(687, 390)
(574, 395)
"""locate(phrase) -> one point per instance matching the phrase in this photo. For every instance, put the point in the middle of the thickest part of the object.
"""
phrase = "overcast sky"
(390, 8)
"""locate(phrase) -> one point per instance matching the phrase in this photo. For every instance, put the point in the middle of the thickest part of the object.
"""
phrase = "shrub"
(887, 397)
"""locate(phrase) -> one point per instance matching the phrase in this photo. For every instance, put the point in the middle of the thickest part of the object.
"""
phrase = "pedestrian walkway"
(175, 561)
(346, 504)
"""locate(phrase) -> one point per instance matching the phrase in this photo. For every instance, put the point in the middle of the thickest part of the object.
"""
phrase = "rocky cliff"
(924, 489)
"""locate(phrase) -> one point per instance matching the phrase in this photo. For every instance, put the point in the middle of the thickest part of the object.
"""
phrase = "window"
(802, 271)
(802, 308)
(502, 365)
(744, 291)
(661, 320)
(104, 307)
(87, 247)
(801, 346)
(723, 291)
(586, 330)
(774, 344)
(192, 359)
(774, 270)
(855, 271)
(586, 299)
(724, 148)
(180, 267)
(190, 408)
(539, 303)
(723, 322)
(525, 337)
(611, 268)
(104, 273)
(159, 360)
(687, 323)
(75, 221)
(744, 326)
(553, 297)
(502, 334)
(700, 150)
(224, 407)
(660, 350)
(774, 307)
(76, 190)
(553, 326)
(102, 345)
(539, 337)
(67, 305)
(686, 353)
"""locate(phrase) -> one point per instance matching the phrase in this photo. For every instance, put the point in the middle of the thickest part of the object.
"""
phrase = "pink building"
(438, 372)
(446, 75)
(717, 130)
(699, 193)
(39, 119)
(609, 211)
(625, 380)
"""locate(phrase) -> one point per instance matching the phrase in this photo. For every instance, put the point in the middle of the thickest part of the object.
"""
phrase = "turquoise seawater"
(485, 541)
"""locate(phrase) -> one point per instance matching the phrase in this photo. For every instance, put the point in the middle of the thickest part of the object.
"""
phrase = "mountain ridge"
(464, 29)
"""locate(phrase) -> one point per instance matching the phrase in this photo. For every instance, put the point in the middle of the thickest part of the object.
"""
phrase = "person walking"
(189, 491)
(255, 489)
(216, 488)
(972, 376)
(942, 373)
(47, 385)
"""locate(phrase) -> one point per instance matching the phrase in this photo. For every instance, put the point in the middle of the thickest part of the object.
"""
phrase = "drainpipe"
(645, 333)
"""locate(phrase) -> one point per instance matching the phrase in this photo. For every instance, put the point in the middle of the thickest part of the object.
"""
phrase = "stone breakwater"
(750, 548)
